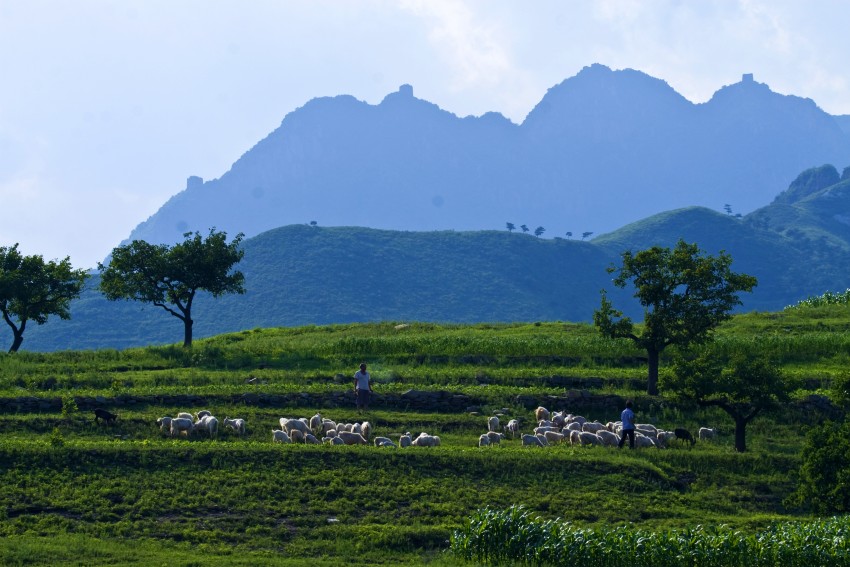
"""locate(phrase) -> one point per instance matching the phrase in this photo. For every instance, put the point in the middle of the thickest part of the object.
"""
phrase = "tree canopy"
(170, 276)
(741, 384)
(32, 290)
(685, 294)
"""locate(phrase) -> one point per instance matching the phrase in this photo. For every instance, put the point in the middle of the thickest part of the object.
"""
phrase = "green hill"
(798, 246)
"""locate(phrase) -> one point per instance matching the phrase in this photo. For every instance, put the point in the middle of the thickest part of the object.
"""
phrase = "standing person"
(628, 419)
(362, 387)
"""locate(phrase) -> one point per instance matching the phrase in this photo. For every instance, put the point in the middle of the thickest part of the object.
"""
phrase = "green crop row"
(517, 537)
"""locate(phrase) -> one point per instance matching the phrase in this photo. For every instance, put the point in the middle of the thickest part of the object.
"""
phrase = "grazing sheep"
(706, 433)
(684, 435)
(559, 418)
(574, 426)
(646, 429)
(280, 436)
(541, 413)
(204, 413)
(664, 437)
(495, 437)
(107, 417)
(336, 441)
(592, 426)
(575, 436)
(366, 429)
(483, 440)
(383, 441)
(531, 440)
(296, 435)
(311, 439)
(553, 437)
(644, 442)
(290, 425)
(350, 438)
(316, 423)
(608, 438)
(426, 440)
(207, 423)
(581, 420)
(405, 440)
(492, 423)
(588, 438)
(181, 425)
(327, 425)
(237, 425)
(547, 423)
(512, 428)
(164, 424)
(186, 415)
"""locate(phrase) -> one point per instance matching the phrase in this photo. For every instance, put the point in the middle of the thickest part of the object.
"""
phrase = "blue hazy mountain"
(601, 149)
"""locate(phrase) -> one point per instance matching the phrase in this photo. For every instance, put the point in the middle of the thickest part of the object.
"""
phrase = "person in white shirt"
(362, 387)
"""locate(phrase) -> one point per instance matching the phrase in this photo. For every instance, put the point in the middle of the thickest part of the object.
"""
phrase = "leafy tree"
(728, 208)
(313, 223)
(524, 228)
(510, 226)
(685, 295)
(743, 386)
(538, 231)
(585, 235)
(32, 290)
(170, 276)
(569, 234)
(823, 481)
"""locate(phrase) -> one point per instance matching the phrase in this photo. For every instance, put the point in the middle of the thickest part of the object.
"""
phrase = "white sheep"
(290, 425)
(237, 424)
(207, 423)
(575, 436)
(203, 413)
(559, 418)
(426, 440)
(706, 433)
(581, 420)
(495, 437)
(350, 438)
(588, 438)
(574, 426)
(311, 439)
(186, 415)
(512, 428)
(366, 429)
(492, 423)
(181, 425)
(327, 425)
(541, 413)
(384, 442)
(483, 440)
(643, 442)
(592, 426)
(280, 436)
(554, 437)
(531, 440)
(542, 438)
(316, 423)
(608, 438)
(164, 424)
(544, 429)
(662, 438)
(333, 441)
(647, 429)
(405, 440)
(296, 435)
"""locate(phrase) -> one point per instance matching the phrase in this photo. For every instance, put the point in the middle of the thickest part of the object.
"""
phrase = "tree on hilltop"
(170, 276)
(538, 231)
(524, 228)
(32, 290)
(510, 226)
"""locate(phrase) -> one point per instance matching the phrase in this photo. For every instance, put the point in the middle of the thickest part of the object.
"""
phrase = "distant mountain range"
(601, 150)
(797, 246)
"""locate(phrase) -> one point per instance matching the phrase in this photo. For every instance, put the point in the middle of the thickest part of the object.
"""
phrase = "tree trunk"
(187, 331)
(652, 377)
(16, 343)
(740, 434)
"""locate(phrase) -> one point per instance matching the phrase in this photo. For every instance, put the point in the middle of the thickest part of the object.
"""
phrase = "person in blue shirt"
(628, 419)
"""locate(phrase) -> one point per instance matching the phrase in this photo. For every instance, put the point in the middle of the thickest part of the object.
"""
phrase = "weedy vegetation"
(79, 492)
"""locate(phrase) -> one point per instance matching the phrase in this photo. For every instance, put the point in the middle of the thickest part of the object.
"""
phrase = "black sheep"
(684, 435)
(100, 413)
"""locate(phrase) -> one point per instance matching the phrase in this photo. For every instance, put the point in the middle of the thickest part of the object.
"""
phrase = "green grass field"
(79, 493)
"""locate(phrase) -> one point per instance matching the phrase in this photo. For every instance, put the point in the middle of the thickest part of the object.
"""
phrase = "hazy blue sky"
(106, 106)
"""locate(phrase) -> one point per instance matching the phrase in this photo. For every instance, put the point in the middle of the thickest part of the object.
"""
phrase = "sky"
(107, 106)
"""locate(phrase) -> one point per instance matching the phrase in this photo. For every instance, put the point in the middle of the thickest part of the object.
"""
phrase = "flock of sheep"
(204, 422)
(552, 428)
(562, 427)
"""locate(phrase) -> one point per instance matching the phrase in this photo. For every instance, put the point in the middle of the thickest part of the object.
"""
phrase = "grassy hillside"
(79, 492)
